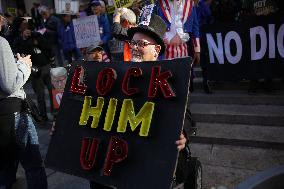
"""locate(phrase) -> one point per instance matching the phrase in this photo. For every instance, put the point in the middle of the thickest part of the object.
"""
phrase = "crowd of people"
(50, 38)
(165, 30)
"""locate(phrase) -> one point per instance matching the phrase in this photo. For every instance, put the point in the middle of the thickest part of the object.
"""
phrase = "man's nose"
(135, 47)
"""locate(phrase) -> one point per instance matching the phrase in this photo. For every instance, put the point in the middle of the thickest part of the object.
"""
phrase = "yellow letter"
(110, 114)
(88, 111)
(128, 114)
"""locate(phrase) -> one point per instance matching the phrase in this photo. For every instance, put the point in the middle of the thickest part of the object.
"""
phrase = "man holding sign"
(154, 149)
(147, 45)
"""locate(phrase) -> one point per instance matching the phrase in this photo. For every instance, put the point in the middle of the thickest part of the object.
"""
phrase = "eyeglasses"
(139, 43)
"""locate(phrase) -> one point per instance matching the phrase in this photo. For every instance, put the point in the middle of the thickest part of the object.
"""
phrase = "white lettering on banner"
(271, 40)
(280, 40)
(232, 35)
(263, 42)
(213, 48)
(259, 30)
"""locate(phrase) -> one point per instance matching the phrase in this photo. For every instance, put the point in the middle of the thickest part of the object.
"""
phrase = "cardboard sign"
(122, 3)
(115, 4)
(11, 10)
(66, 6)
(86, 31)
(118, 124)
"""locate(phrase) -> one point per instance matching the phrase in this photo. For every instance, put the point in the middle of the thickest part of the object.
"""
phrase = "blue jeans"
(19, 143)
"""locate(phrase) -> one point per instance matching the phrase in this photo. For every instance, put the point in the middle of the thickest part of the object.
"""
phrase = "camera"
(35, 71)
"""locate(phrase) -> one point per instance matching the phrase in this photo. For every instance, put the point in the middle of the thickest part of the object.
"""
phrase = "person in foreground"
(147, 45)
(18, 136)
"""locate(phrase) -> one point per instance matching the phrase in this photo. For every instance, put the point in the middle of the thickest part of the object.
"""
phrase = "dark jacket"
(119, 32)
(36, 16)
(51, 24)
(40, 53)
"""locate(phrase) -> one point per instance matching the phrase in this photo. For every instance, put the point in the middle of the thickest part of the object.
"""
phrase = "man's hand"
(116, 17)
(196, 58)
(181, 142)
(26, 59)
(118, 13)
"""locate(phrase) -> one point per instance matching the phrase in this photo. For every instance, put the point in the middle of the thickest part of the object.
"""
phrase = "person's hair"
(43, 8)
(58, 72)
(130, 16)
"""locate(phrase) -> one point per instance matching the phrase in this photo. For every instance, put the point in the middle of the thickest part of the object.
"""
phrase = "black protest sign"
(119, 127)
(251, 49)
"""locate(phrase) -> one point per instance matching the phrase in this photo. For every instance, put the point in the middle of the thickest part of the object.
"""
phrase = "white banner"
(87, 31)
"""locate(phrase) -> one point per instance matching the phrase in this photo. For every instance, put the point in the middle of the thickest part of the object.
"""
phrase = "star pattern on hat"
(146, 14)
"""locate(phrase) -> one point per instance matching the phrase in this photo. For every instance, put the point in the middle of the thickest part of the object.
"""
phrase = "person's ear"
(158, 49)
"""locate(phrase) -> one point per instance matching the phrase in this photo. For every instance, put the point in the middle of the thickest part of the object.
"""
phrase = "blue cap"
(96, 3)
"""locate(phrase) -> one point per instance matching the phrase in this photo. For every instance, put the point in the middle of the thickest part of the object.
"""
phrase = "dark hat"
(151, 25)
(93, 48)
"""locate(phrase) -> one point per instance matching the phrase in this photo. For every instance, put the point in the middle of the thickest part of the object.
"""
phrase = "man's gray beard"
(136, 59)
